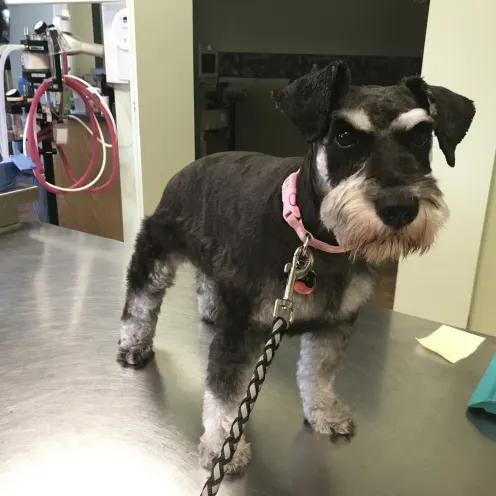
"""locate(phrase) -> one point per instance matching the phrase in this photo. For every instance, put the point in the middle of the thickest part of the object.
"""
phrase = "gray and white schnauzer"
(365, 187)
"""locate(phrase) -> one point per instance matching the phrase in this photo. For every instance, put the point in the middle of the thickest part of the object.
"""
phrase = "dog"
(364, 191)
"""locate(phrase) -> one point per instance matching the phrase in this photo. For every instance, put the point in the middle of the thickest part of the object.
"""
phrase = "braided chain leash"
(283, 316)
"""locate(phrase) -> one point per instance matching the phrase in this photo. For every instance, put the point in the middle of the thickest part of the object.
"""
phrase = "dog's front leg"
(228, 375)
(320, 356)
(230, 365)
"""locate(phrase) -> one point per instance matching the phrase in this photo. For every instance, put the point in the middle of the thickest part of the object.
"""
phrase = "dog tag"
(306, 285)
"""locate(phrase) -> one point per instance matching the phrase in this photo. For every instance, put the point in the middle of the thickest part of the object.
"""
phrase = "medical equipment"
(37, 115)
(53, 60)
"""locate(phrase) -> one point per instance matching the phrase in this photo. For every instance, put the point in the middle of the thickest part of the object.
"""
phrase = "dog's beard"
(349, 213)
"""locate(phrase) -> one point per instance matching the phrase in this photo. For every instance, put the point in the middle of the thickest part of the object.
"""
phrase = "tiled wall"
(364, 69)
(259, 126)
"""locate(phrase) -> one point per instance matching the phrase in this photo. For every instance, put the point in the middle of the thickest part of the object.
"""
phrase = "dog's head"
(371, 154)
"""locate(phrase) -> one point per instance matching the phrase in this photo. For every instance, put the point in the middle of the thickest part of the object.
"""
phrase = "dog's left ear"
(309, 100)
(452, 113)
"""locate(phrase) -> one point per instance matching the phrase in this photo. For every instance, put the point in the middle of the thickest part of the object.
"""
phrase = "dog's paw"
(335, 421)
(136, 355)
(236, 467)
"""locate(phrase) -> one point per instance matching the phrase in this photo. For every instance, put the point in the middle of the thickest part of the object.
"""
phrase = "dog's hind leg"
(151, 272)
(230, 363)
(320, 355)
(206, 292)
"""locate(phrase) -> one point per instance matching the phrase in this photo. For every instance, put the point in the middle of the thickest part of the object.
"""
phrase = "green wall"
(483, 310)
(164, 60)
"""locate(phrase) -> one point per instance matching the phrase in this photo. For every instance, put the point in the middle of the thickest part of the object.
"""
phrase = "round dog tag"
(306, 285)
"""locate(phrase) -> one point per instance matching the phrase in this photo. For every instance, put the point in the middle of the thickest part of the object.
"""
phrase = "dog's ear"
(309, 100)
(452, 113)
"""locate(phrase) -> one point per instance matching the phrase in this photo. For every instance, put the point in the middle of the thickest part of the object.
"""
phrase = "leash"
(297, 270)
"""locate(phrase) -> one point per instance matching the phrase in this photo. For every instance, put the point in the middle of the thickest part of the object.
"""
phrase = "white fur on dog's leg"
(217, 419)
(136, 341)
(206, 295)
(210, 447)
(335, 420)
(139, 318)
(320, 355)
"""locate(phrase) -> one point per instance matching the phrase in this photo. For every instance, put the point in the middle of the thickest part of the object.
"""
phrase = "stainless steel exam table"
(74, 422)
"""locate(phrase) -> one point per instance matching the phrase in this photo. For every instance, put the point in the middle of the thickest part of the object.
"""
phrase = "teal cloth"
(484, 395)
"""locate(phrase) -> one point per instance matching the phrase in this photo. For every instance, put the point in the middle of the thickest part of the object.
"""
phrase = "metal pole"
(48, 165)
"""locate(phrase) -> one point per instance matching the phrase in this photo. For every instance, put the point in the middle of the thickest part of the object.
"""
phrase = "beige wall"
(460, 51)
(365, 27)
(127, 159)
(165, 107)
(483, 311)
(82, 26)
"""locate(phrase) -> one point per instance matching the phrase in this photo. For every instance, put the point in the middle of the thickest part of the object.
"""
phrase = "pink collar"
(292, 216)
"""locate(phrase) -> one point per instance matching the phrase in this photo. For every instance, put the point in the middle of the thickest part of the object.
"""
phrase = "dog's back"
(227, 205)
(232, 177)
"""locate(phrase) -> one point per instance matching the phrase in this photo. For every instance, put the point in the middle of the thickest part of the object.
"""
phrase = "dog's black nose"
(397, 212)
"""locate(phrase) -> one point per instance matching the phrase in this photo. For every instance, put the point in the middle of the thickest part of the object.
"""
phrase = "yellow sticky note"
(451, 343)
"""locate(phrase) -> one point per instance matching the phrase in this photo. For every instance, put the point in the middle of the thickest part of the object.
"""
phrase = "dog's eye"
(419, 139)
(420, 134)
(346, 139)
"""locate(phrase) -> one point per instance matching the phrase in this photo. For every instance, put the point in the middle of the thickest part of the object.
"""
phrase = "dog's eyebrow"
(358, 118)
(409, 119)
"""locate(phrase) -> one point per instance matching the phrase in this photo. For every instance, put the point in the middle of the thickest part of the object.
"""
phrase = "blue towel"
(11, 168)
(484, 395)
(8, 174)
(23, 163)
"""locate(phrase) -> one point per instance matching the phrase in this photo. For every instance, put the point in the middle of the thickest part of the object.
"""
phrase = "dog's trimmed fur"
(365, 184)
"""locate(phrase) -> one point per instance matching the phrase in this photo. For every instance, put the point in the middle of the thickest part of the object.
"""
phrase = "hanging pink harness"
(292, 216)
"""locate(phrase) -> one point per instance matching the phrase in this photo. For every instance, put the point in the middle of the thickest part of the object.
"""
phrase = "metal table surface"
(73, 422)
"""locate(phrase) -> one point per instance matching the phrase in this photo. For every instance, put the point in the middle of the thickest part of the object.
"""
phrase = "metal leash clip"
(300, 266)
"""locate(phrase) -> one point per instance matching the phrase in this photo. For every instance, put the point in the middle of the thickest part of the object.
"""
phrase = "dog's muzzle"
(397, 211)
(384, 223)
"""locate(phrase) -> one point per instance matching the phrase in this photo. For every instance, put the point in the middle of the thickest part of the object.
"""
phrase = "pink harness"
(292, 216)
